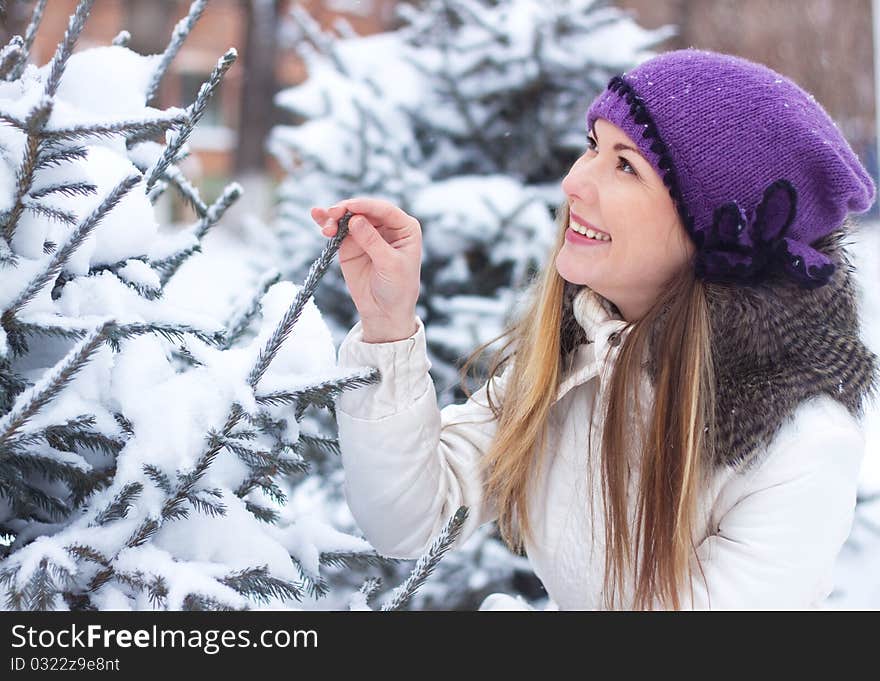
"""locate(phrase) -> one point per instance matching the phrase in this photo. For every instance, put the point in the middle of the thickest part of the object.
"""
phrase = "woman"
(709, 334)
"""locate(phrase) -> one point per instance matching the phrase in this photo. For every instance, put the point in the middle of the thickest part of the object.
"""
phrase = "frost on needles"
(149, 453)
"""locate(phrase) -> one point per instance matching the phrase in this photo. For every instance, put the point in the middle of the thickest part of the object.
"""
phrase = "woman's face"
(617, 191)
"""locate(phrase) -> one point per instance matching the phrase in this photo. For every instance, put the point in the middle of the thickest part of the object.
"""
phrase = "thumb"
(369, 239)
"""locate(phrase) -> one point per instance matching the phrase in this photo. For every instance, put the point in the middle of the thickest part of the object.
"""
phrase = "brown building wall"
(825, 46)
(221, 26)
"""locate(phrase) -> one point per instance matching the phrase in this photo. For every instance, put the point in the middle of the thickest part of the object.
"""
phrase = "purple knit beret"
(756, 167)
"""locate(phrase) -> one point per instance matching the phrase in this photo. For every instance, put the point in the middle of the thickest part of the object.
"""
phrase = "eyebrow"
(619, 146)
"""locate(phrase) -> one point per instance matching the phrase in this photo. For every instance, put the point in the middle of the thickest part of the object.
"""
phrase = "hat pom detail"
(735, 249)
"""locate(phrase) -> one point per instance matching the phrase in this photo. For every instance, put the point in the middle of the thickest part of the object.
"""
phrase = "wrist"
(374, 332)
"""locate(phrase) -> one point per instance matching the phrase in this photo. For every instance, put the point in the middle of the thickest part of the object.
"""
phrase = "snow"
(857, 567)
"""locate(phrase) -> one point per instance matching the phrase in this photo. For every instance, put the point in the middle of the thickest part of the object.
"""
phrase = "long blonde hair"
(673, 446)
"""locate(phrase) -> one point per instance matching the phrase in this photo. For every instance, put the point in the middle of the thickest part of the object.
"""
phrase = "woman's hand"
(381, 260)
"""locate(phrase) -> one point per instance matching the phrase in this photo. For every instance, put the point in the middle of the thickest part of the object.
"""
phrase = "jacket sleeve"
(408, 465)
(776, 547)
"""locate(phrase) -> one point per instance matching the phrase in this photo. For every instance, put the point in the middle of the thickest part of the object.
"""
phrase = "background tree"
(149, 453)
(467, 116)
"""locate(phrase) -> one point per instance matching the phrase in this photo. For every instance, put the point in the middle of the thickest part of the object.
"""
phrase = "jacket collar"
(604, 328)
(774, 346)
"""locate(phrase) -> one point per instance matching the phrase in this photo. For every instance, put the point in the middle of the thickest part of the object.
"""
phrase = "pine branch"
(178, 36)
(143, 128)
(355, 559)
(78, 432)
(61, 374)
(83, 552)
(158, 477)
(306, 291)
(65, 188)
(118, 507)
(12, 52)
(173, 506)
(230, 194)
(170, 333)
(428, 561)
(240, 320)
(195, 111)
(260, 584)
(211, 508)
(54, 156)
(155, 586)
(65, 47)
(122, 39)
(16, 332)
(369, 588)
(266, 515)
(175, 260)
(51, 212)
(78, 236)
(323, 42)
(200, 602)
(315, 585)
(186, 189)
(24, 178)
(30, 34)
(327, 445)
(321, 394)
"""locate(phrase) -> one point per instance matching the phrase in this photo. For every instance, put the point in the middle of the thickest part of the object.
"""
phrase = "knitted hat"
(756, 167)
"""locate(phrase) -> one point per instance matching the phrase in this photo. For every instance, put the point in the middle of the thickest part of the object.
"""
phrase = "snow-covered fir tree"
(152, 456)
(467, 116)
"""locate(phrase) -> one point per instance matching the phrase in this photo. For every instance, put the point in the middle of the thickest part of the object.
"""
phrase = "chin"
(574, 272)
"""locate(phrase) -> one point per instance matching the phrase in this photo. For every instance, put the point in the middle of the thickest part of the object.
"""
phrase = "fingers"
(366, 236)
(378, 211)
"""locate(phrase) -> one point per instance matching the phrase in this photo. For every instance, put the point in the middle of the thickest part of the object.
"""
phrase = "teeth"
(580, 229)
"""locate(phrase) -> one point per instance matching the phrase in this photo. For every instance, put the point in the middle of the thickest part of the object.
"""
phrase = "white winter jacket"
(768, 538)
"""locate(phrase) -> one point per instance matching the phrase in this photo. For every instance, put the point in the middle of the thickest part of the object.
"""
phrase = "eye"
(591, 145)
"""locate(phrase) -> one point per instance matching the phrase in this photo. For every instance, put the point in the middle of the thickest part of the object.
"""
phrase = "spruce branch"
(240, 319)
(79, 235)
(65, 47)
(230, 194)
(352, 559)
(199, 602)
(118, 507)
(306, 291)
(428, 561)
(34, 124)
(315, 585)
(142, 128)
(66, 189)
(61, 374)
(122, 39)
(173, 506)
(170, 333)
(17, 67)
(50, 212)
(55, 156)
(188, 191)
(181, 31)
(260, 584)
(321, 394)
(369, 588)
(266, 515)
(12, 52)
(312, 32)
(195, 113)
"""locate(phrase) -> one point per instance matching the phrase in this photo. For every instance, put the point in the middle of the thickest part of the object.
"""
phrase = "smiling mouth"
(581, 226)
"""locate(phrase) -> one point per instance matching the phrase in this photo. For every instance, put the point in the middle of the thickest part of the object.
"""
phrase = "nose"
(578, 182)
